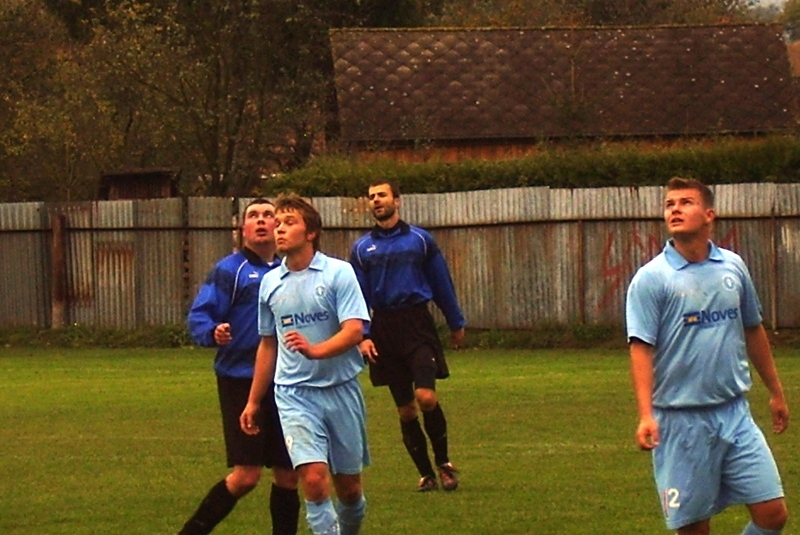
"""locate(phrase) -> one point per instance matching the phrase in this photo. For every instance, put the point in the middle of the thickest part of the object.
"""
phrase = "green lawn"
(128, 441)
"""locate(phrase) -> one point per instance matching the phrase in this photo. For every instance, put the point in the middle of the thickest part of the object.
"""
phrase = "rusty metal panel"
(614, 251)
(606, 203)
(739, 200)
(470, 272)
(518, 257)
(114, 251)
(502, 273)
(24, 263)
(787, 273)
(343, 212)
(338, 242)
(160, 259)
(211, 236)
(753, 240)
(787, 199)
(23, 216)
(560, 258)
(486, 207)
(81, 289)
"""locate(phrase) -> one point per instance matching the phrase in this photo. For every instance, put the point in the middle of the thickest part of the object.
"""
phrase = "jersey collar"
(677, 261)
(317, 264)
(400, 228)
(253, 258)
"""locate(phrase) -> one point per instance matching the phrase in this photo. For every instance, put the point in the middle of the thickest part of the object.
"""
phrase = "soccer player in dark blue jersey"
(225, 315)
(401, 269)
(693, 319)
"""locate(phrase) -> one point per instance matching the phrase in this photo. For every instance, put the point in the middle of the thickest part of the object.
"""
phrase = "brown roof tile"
(483, 84)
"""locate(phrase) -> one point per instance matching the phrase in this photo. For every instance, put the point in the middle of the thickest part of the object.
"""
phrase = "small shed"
(156, 183)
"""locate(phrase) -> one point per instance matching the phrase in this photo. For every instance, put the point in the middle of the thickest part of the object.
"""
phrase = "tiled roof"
(489, 84)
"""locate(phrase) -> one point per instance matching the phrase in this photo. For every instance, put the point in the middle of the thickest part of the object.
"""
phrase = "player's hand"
(297, 342)
(222, 334)
(780, 414)
(368, 350)
(457, 338)
(647, 434)
(247, 420)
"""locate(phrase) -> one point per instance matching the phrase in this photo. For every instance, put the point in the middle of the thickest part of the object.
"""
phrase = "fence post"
(59, 271)
(773, 264)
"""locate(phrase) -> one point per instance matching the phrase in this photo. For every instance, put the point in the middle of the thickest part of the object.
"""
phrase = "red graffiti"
(635, 249)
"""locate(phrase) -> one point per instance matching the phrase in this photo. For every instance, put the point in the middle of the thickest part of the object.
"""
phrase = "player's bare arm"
(642, 376)
(758, 349)
(348, 336)
(368, 350)
(262, 377)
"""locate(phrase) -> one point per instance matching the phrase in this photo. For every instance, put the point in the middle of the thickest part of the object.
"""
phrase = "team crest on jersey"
(319, 290)
(729, 282)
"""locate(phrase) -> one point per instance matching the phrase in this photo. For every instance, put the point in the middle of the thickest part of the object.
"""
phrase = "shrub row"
(85, 336)
(724, 160)
(545, 336)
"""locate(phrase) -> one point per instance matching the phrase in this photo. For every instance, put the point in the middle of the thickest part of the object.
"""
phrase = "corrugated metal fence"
(519, 257)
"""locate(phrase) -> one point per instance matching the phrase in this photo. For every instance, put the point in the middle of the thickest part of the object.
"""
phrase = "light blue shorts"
(709, 458)
(325, 425)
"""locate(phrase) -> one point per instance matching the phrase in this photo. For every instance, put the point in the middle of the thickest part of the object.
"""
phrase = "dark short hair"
(293, 202)
(257, 200)
(392, 185)
(690, 183)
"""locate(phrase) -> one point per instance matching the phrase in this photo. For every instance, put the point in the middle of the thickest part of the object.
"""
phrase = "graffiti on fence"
(624, 253)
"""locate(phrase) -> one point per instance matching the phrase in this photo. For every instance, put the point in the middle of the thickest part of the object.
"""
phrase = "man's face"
(685, 214)
(290, 231)
(258, 226)
(382, 203)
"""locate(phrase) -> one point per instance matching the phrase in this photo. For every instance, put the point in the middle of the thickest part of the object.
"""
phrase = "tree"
(39, 157)
(226, 90)
(791, 16)
(593, 12)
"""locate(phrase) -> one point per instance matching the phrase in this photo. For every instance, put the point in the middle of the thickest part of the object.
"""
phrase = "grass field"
(128, 441)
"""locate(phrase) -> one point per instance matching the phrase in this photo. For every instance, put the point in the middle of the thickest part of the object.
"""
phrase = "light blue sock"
(321, 518)
(351, 515)
(752, 529)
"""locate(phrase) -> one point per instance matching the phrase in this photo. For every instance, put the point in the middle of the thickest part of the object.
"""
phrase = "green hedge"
(80, 336)
(723, 160)
(544, 336)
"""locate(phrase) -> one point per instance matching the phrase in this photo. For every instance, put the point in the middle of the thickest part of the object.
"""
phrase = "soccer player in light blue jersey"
(224, 315)
(310, 318)
(693, 318)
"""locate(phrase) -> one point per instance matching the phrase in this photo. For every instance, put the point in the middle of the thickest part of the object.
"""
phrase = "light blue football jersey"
(694, 314)
(314, 302)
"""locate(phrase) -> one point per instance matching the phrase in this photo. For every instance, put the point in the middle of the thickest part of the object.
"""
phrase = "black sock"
(417, 446)
(436, 427)
(284, 506)
(214, 507)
